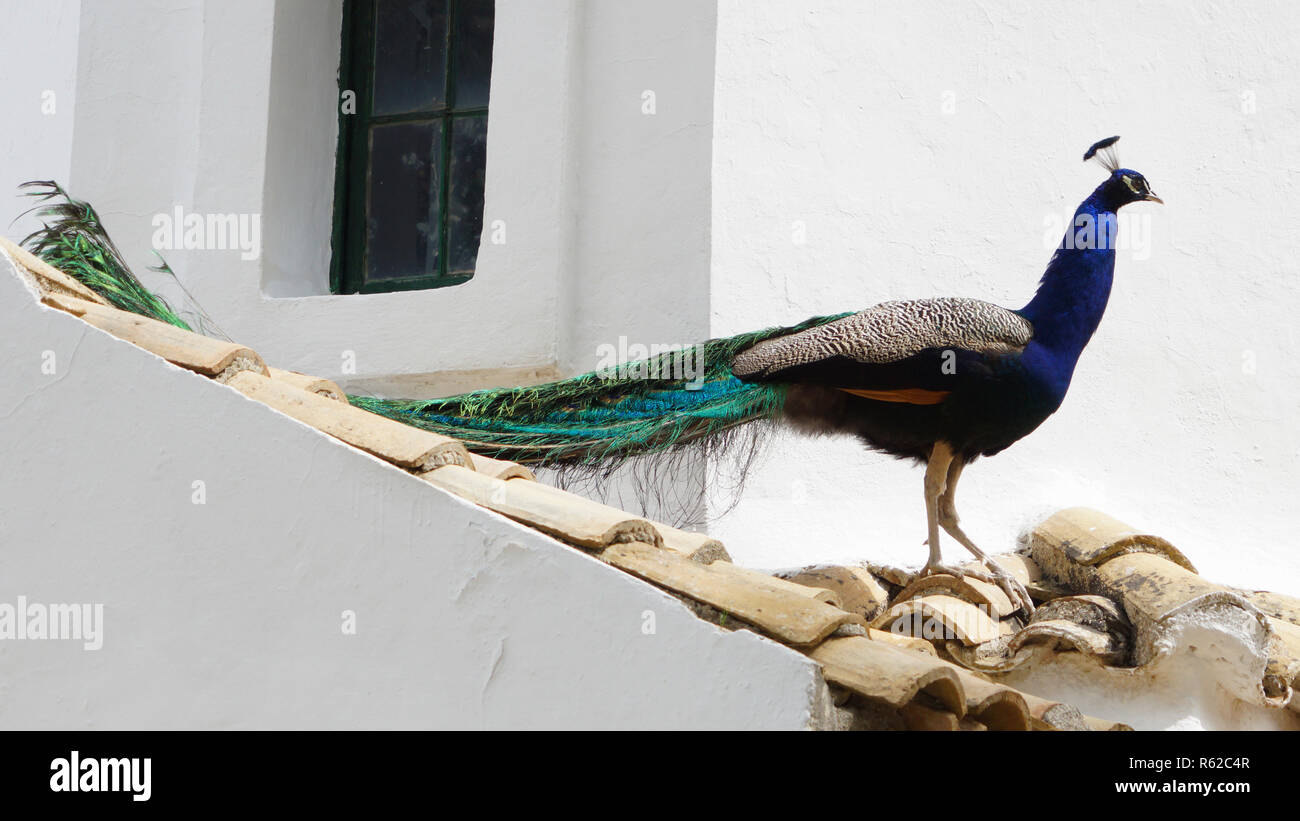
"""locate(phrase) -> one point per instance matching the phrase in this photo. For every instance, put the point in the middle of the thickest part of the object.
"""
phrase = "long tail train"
(644, 407)
(597, 419)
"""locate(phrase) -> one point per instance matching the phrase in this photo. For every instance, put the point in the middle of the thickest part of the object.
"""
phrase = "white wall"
(301, 147)
(606, 208)
(190, 104)
(639, 170)
(229, 614)
(38, 98)
(833, 114)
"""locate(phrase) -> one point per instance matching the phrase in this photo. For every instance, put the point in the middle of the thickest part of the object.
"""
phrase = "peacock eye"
(1131, 186)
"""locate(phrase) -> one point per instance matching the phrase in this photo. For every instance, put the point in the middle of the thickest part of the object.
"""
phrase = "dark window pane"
(472, 52)
(465, 210)
(402, 200)
(410, 59)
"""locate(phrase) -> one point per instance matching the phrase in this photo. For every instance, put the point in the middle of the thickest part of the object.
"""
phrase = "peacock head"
(1124, 184)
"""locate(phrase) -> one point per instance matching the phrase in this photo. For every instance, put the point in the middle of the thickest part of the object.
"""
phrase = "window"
(408, 206)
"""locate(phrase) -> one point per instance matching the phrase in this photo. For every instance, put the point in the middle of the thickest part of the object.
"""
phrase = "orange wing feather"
(910, 396)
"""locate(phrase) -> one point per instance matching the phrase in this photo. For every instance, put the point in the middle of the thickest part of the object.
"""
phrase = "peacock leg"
(936, 478)
(948, 519)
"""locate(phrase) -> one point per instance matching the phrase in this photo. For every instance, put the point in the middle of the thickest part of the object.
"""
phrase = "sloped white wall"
(924, 150)
(228, 614)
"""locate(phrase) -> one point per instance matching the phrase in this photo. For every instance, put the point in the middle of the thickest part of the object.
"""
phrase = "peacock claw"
(1010, 585)
(996, 575)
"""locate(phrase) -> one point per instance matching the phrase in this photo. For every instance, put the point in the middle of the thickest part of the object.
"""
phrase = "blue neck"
(1072, 294)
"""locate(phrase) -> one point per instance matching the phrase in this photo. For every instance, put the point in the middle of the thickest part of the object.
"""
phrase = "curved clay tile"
(1080, 537)
(974, 591)
(791, 617)
(882, 672)
(312, 384)
(201, 354)
(858, 591)
(940, 616)
(1061, 635)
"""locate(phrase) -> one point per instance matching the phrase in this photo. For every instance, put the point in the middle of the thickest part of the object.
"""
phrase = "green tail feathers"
(646, 407)
(74, 240)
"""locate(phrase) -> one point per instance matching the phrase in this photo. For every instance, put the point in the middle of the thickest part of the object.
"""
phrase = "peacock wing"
(890, 332)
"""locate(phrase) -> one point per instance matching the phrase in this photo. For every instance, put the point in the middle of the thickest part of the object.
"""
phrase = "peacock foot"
(1009, 584)
(941, 569)
(996, 575)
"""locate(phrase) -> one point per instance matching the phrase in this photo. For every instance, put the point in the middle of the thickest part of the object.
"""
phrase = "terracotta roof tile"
(883, 672)
(956, 618)
(1093, 611)
(1285, 608)
(791, 617)
(312, 384)
(1105, 725)
(858, 591)
(1082, 537)
(500, 469)
(1059, 634)
(403, 445)
(204, 355)
(820, 594)
(48, 279)
(967, 589)
(1053, 715)
(1284, 660)
(896, 576)
(906, 642)
(995, 706)
(928, 719)
(571, 518)
(698, 546)
(1087, 624)
(1154, 590)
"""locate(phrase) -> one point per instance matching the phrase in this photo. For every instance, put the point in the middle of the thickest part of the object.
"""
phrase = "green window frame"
(408, 199)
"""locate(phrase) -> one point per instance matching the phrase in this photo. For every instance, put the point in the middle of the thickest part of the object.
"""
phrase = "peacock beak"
(1151, 197)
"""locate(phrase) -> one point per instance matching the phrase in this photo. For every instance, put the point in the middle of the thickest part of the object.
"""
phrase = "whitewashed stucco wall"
(189, 103)
(642, 130)
(38, 85)
(230, 107)
(229, 613)
(923, 148)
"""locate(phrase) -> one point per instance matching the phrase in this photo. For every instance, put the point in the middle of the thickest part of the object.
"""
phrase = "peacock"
(940, 381)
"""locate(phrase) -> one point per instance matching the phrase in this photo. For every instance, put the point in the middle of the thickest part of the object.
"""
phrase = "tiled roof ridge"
(1107, 591)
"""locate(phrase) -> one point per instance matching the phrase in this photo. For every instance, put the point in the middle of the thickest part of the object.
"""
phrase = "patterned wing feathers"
(890, 332)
